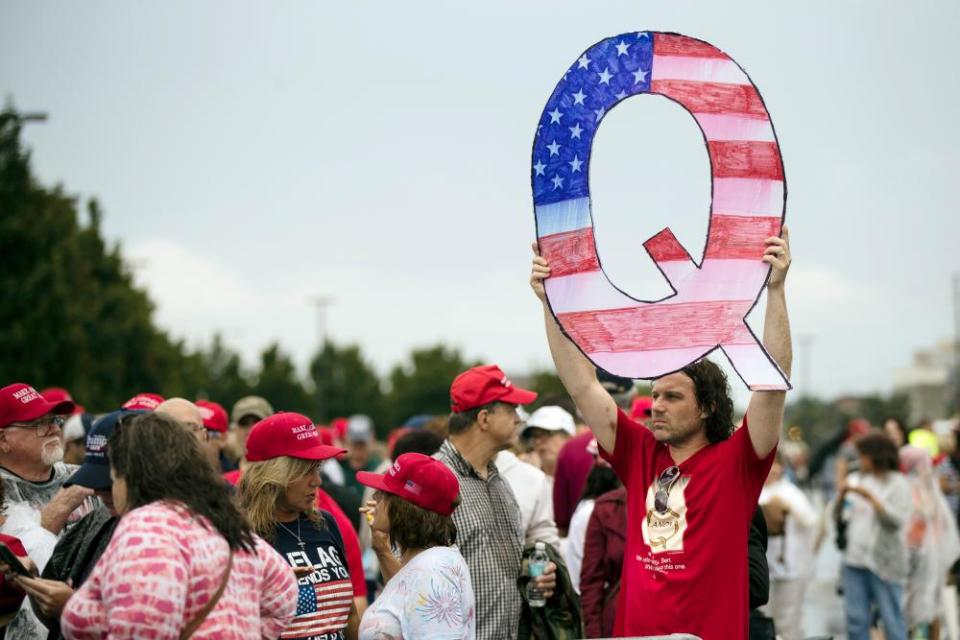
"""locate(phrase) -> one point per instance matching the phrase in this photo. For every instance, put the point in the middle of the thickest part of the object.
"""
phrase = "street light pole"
(32, 116)
(321, 303)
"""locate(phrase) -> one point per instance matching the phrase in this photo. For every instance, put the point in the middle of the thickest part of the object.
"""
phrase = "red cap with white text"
(287, 434)
(482, 385)
(19, 402)
(143, 402)
(214, 415)
(418, 479)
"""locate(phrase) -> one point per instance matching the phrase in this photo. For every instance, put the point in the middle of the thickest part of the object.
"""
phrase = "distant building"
(927, 382)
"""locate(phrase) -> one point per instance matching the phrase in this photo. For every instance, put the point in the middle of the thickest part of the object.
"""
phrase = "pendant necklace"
(300, 542)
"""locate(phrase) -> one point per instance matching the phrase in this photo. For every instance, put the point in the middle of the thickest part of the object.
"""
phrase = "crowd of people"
(179, 520)
(172, 518)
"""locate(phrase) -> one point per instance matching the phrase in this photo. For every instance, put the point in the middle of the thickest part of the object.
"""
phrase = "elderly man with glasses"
(31, 454)
(37, 506)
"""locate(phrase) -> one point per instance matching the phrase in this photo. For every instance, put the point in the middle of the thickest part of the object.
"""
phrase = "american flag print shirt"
(326, 595)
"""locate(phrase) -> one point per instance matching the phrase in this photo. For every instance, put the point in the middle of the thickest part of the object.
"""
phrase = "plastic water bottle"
(537, 563)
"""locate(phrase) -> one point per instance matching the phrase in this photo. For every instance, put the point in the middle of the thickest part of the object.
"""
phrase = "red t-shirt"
(685, 571)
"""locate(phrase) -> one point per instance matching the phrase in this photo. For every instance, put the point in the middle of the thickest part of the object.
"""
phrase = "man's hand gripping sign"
(647, 339)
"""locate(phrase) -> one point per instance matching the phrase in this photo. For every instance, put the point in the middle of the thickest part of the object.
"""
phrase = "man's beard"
(50, 454)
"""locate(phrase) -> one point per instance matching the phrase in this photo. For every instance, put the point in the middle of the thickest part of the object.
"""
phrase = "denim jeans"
(861, 589)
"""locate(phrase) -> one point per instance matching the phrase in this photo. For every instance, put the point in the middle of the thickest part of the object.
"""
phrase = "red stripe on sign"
(713, 97)
(740, 237)
(570, 252)
(659, 326)
(670, 45)
(743, 159)
(664, 247)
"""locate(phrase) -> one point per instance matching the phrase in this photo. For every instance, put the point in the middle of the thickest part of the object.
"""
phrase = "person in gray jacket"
(874, 503)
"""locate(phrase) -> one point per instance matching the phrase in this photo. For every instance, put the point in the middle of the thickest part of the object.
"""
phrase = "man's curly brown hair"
(713, 397)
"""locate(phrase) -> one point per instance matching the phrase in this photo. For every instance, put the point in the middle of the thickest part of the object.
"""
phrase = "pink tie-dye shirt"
(162, 566)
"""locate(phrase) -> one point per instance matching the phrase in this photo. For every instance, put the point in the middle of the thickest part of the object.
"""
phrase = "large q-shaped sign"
(647, 339)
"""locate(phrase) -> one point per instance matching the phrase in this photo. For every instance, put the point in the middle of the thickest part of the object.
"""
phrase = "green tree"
(877, 408)
(345, 384)
(278, 382)
(422, 385)
(69, 313)
(546, 383)
(224, 378)
(819, 420)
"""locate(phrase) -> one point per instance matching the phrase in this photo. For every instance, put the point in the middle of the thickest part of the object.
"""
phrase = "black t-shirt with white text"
(326, 595)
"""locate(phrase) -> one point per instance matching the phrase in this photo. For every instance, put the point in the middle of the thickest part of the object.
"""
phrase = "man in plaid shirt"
(484, 421)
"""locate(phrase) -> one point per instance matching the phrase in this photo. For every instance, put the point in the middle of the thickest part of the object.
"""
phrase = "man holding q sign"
(692, 480)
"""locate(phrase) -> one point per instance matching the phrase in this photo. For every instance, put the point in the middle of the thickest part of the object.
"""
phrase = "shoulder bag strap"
(198, 619)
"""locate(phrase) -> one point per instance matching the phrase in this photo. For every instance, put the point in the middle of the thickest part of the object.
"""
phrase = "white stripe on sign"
(563, 216)
(697, 69)
(729, 127)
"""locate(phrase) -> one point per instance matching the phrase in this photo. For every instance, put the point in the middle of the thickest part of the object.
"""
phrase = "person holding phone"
(13, 562)
(78, 550)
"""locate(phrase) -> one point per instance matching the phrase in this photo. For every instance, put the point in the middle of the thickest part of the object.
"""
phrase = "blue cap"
(94, 473)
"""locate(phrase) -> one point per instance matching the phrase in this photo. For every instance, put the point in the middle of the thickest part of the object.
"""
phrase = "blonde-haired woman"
(278, 491)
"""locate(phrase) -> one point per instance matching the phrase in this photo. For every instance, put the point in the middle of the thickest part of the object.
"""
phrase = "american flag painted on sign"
(647, 339)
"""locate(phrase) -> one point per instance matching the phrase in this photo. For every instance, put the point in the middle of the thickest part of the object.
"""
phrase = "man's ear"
(4, 445)
(483, 419)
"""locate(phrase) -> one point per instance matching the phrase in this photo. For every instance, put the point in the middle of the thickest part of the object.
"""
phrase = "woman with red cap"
(278, 491)
(431, 595)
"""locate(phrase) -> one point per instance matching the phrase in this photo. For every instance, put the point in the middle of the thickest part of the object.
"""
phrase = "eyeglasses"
(665, 482)
(195, 429)
(45, 426)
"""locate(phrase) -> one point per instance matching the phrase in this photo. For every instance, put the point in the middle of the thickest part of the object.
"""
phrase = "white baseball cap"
(551, 418)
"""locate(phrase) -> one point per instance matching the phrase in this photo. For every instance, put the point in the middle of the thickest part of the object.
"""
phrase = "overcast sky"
(249, 156)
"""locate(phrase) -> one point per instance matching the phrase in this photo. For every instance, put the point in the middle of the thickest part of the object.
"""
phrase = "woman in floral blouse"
(428, 592)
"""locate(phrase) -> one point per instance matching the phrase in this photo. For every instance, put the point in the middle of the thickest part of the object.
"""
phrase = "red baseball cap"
(641, 408)
(213, 414)
(339, 426)
(419, 479)
(287, 434)
(59, 394)
(482, 385)
(143, 402)
(19, 402)
(326, 435)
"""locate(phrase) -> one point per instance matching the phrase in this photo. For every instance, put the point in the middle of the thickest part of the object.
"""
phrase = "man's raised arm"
(577, 373)
(765, 413)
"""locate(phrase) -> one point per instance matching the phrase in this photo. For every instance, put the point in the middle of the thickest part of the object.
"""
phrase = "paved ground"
(823, 609)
